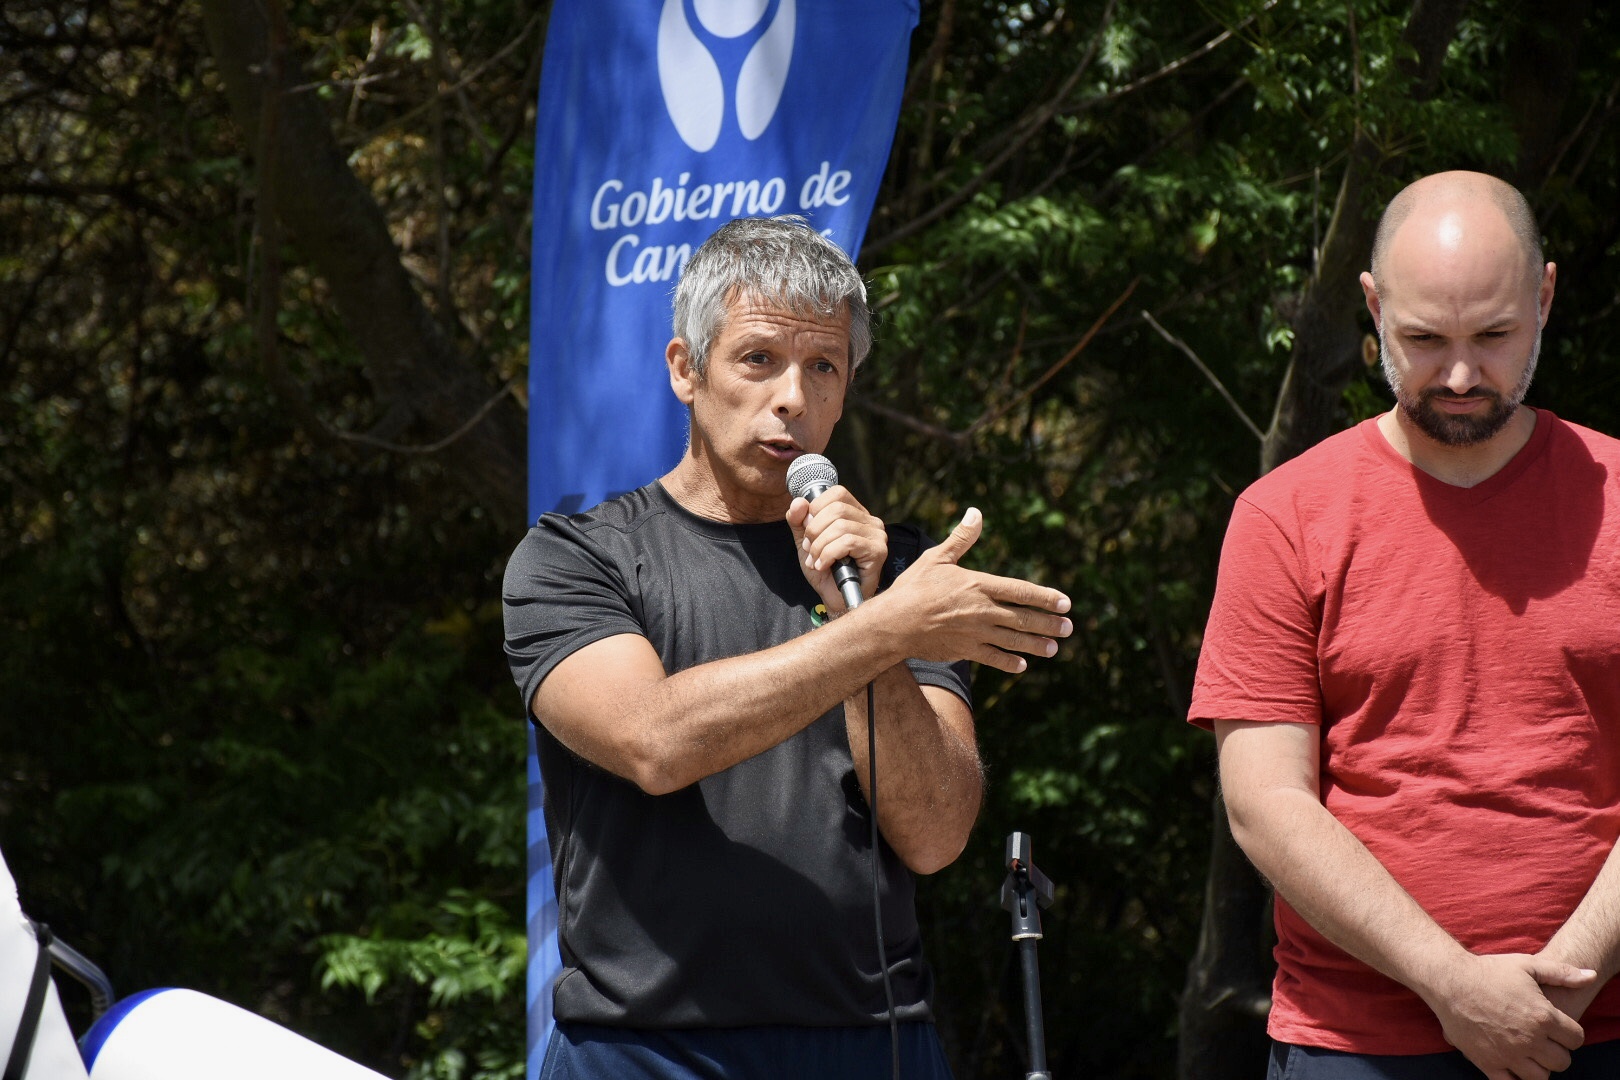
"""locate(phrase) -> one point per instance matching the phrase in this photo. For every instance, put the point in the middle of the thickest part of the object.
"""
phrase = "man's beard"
(1450, 429)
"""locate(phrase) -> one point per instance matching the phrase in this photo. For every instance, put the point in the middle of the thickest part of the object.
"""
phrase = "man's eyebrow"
(753, 340)
(1417, 324)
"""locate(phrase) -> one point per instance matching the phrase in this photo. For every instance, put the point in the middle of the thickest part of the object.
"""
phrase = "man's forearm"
(929, 780)
(674, 730)
(1590, 938)
(1335, 884)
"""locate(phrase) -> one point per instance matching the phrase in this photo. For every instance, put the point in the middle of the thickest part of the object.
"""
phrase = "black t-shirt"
(745, 898)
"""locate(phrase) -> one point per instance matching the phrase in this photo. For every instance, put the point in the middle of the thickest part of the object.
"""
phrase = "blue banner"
(660, 120)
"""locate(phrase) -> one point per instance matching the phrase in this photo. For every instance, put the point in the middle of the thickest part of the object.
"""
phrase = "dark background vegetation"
(262, 364)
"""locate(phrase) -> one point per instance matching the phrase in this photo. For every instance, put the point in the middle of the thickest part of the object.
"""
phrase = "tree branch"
(994, 413)
(1173, 66)
(123, 191)
(1214, 380)
(431, 448)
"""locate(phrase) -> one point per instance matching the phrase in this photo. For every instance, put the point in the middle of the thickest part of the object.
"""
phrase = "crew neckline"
(1488, 488)
(718, 530)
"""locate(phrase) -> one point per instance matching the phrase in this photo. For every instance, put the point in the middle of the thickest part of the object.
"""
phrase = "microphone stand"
(1024, 893)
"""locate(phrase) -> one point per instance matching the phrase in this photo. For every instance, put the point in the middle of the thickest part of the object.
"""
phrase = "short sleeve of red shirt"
(1259, 660)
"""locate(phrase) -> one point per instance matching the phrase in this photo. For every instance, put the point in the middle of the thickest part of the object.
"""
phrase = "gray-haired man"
(700, 692)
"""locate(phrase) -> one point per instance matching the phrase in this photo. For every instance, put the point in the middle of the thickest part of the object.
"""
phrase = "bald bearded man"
(1412, 668)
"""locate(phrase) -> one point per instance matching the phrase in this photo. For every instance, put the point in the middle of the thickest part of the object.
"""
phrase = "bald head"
(1459, 295)
(1442, 210)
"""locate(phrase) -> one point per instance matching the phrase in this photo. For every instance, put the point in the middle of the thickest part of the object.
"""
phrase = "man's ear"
(682, 379)
(1544, 294)
(1370, 290)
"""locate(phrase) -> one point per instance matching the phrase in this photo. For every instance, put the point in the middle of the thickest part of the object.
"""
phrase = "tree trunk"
(1229, 978)
(420, 382)
(1227, 993)
(1540, 72)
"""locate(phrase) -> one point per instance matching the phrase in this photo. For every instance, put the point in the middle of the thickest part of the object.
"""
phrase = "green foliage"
(467, 953)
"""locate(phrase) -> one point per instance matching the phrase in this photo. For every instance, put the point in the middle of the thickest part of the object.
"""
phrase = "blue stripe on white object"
(184, 1035)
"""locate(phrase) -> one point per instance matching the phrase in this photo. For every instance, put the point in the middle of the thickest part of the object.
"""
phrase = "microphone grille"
(809, 471)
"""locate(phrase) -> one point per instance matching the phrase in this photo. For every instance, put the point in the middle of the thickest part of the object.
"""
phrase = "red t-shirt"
(1461, 649)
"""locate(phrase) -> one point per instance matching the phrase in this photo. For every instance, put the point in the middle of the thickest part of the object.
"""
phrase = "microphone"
(807, 477)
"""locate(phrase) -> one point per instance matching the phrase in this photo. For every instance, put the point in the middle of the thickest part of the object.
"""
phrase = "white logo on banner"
(695, 91)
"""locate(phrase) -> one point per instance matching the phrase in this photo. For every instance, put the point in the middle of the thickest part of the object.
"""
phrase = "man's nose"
(790, 392)
(1461, 373)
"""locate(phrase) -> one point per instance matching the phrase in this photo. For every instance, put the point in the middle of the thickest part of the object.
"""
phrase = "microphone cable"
(809, 475)
(877, 896)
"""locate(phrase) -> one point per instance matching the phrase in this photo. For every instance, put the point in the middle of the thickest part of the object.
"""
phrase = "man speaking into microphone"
(700, 685)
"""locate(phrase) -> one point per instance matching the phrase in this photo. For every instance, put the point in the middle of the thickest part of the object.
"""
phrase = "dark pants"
(1597, 1062)
(587, 1052)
